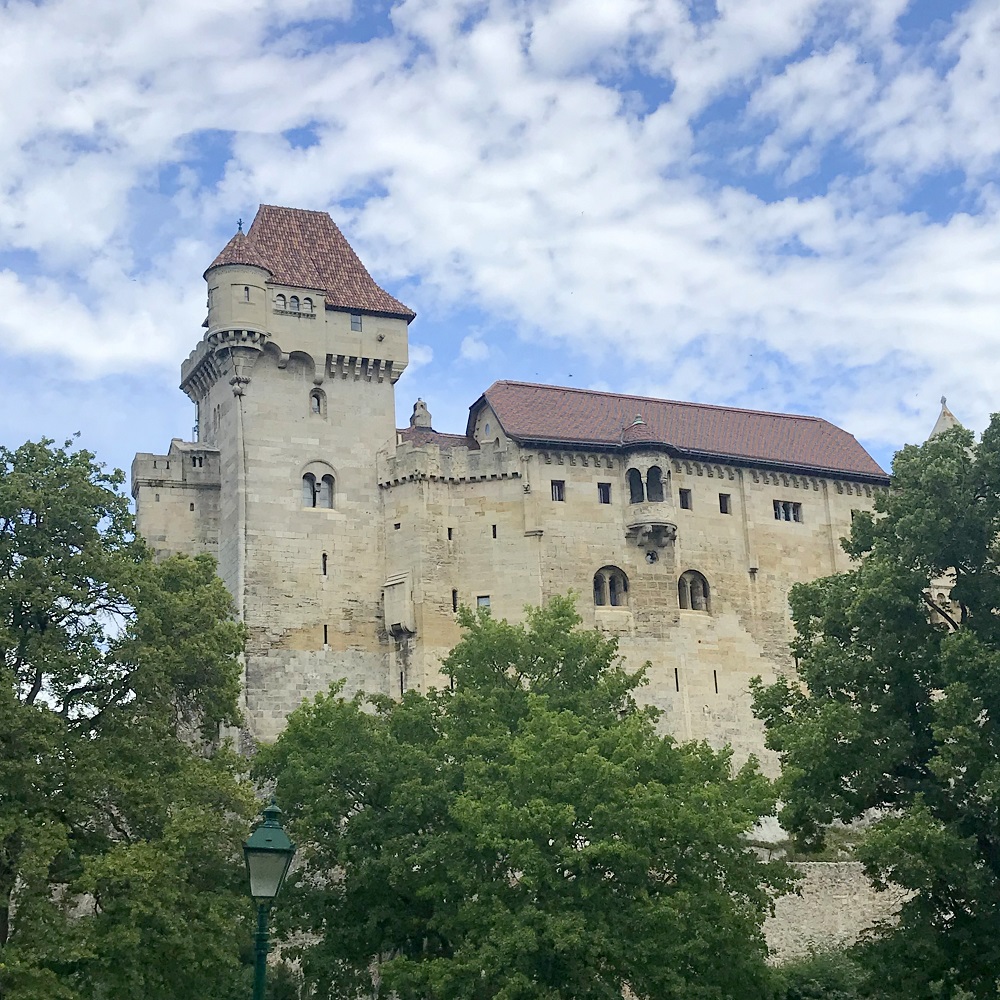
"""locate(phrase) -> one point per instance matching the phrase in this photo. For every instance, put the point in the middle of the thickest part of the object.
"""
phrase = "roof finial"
(239, 225)
(944, 400)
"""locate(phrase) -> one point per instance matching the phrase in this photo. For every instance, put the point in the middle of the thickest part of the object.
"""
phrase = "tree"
(524, 835)
(120, 815)
(899, 715)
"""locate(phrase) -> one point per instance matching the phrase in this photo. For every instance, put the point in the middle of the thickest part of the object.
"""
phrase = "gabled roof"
(546, 414)
(306, 249)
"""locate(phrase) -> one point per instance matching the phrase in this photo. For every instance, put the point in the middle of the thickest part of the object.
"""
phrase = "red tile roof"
(540, 414)
(307, 249)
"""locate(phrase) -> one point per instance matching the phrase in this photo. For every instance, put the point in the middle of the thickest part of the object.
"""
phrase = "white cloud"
(474, 348)
(482, 152)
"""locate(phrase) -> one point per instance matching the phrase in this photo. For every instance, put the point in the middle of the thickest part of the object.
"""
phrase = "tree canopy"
(120, 815)
(525, 833)
(898, 716)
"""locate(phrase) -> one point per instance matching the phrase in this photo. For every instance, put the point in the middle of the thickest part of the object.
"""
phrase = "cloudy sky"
(781, 204)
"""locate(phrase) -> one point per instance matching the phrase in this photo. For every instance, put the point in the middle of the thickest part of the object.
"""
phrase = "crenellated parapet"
(433, 463)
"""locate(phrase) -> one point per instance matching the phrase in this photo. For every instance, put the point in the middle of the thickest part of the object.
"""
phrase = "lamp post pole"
(262, 947)
(268, 853)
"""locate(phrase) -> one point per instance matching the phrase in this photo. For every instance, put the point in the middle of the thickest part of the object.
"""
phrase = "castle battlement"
(449, 464)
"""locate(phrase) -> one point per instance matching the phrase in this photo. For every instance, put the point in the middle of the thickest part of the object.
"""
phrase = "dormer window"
(356, 322)
(280, 302)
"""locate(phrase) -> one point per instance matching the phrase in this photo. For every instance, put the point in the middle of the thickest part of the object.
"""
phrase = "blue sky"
(788, 206)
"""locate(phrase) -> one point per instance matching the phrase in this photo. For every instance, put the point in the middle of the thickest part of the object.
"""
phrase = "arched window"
(280, 302)
(325, 498)
(293, 303)
(635, 494)
(317, 402)
(654, 484)
(692, 592)
(307, 305)
(308, 490)
(610, 587)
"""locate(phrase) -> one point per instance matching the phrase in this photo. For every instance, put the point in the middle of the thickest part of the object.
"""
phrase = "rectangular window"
(356, 322)
(397, 526)
(494, 531)
(450, 530)
(787, 510)
(191, 506)
(725, 505)
(454, 600)
(558, 489)
(604, 492)
(483, 601)
(685, 499)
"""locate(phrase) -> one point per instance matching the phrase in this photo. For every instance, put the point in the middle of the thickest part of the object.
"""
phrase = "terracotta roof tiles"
(306, 249)
(536, 414)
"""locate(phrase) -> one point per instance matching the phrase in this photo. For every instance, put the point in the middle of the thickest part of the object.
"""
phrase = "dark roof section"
(418, 436)
(307, 249)
(545, 414)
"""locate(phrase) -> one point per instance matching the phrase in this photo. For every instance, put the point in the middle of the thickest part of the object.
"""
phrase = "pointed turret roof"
(239, 250)
(306, 249)
(945, 421)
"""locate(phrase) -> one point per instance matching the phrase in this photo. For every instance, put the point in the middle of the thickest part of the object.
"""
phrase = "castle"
(348, 545)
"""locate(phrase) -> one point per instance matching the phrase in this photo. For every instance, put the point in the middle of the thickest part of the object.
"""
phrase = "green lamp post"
(268, 853)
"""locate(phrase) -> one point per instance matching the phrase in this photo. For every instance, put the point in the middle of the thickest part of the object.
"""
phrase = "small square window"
(685, 496)
(356, 322)
(558, 489)
(397, 526)
(725, 503)
(483, 601)
(604, 492)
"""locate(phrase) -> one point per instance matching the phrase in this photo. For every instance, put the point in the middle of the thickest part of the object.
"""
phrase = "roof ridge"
(659, 399)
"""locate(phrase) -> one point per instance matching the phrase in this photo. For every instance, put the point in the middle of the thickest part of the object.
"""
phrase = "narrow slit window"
(325, 562)
(451, 534)
(454, 600)
(494, 531)
(326, 635)
(191, 506)
(715, 678)
(677, 679)
(246, 293)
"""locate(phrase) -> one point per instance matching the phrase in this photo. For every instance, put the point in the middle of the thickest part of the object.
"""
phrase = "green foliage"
(902, 714)
(119, 817)
(526, 835)
(825, 975)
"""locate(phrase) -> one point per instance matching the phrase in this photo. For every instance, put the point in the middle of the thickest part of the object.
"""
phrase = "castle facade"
(349, 544)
